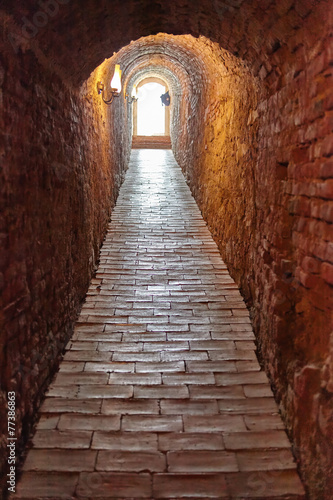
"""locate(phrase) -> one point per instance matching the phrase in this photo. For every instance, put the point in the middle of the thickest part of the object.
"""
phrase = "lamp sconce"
(115, 86)
(133, 97)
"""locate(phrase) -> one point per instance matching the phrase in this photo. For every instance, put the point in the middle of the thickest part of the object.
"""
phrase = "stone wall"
(293, 265)
(60, 174)
(257, 157)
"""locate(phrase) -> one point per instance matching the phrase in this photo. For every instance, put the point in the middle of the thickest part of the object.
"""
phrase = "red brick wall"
(59, 179)
(294, 254)
(257, 155)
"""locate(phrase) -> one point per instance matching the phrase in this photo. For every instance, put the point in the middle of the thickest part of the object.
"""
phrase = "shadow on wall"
(61, 171)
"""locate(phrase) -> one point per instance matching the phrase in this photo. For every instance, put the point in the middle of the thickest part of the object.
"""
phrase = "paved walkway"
(160, 394)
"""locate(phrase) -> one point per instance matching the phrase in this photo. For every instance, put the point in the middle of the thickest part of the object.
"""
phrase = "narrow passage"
(160, 394)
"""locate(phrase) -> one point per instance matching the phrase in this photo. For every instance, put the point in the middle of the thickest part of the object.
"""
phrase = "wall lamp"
(133, 97)
(115, 86)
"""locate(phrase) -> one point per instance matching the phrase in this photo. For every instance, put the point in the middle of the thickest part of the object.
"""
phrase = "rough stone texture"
(261, 175)
(265, 189)
(57, 191)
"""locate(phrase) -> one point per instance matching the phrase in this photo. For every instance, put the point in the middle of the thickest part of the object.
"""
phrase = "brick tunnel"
(251, 128)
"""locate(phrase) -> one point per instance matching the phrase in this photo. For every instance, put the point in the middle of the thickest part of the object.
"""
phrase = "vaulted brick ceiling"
(77, 36)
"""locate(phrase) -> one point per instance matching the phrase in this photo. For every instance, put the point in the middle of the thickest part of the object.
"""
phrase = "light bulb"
(116, 80)
(134, 92)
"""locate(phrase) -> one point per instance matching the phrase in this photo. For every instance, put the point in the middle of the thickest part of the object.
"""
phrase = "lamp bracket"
(101, 90)
(130, 100)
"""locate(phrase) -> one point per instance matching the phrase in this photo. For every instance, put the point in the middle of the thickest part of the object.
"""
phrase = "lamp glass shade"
(116, 80)
(134, 92)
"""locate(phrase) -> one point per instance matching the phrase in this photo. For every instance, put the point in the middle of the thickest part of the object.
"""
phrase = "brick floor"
(160, 394)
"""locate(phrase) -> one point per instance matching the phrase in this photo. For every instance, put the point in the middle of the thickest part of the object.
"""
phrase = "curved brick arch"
(77, 38)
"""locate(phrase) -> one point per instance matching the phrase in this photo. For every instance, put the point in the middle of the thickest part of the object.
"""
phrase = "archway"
(150, 118)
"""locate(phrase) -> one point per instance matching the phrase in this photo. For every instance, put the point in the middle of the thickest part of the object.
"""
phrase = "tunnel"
(251, 127)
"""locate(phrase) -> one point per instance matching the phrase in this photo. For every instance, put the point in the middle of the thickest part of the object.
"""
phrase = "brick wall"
(257, 156)
(294, 226)
(59, 179)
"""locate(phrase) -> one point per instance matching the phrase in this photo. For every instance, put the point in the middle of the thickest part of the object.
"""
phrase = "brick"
(255, 440)
(74, 422)
(129, 406)
(82, 378)
(165, 346)
(161, 392)
(213, 423)
(211, 366)
(139, 356)
(247, 366)
(190, 441)
(48, 421)
(178, 407)
(263, 422)
(241, 378)
(130, 461)
(266, 484)
(61, 460)
(233, 334)
(216, 392)
(189, 486)
(167, 327)
(62, 439)
(83, 346)
(169, 423)
(265, 460)
(69, 391)
(120, 346)
(188, 378)
(70, 367)
(61, 405)
(45, 484)
(248, 406)
(114, 485)
(255, 391)
(201, 461)
(232, 354)
(111, 337)
(110, 367)
(245, 345)
(99, 392)
(144, 337)
(184, 356)
(188, 336)
(125, 441)
(87, 355)
(162, 367)
(209, 345)
(135, 378)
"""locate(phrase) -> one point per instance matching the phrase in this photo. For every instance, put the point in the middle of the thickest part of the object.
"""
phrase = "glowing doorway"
(150, 112)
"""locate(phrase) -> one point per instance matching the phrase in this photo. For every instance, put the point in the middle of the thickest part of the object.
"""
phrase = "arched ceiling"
(75, 36)
(177, 60)
(187, 64)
